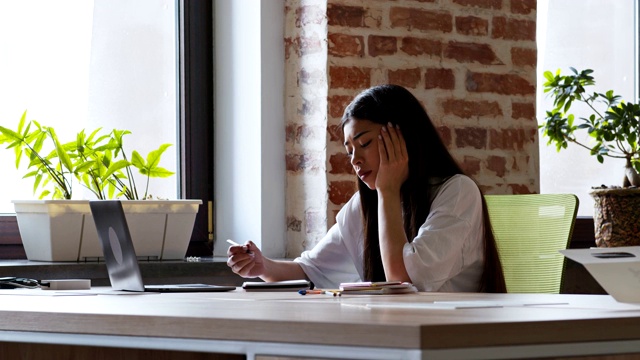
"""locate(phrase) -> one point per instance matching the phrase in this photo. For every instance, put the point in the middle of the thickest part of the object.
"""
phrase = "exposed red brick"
(445, 135)
(350, 16)
(497, 164)
(523, 111)
(409, 78)
(416, 46)
(508, 139)
(289, 47)
(349, 77)
(425, 20)
(342, 45)
(294, 224)
(471, 137)
(341, 191)
(523, 6)
(290, 132)
(513, 29)
(485, 189)
(472, 25)
(485, 4)
(506, 84)
(520, 189)
(299, 162)
(340, 164)
(470, 165)
(337, 104)
(470, 109)
(439, 78)
(382, 45)
(515, 166)
(302, 45)
(306, 15)
(295, 162)
(298, 133)
(335, 133)
(471, 52)
(524, 57)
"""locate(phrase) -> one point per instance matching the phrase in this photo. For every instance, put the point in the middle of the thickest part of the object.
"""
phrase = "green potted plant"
(160, 228)
(613, 124)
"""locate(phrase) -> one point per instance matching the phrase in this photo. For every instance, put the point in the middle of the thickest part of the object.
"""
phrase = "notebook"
(120, 256)
(616, 269)
(377, 288)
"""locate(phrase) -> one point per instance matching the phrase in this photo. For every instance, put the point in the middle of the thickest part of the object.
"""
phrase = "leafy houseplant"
(614, 126)
(98, 161)
(62, 229)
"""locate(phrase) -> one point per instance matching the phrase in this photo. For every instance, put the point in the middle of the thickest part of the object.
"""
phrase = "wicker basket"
(617, 217)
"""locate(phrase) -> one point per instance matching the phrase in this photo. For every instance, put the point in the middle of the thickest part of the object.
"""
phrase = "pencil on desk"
(320, 292)
(309, 291)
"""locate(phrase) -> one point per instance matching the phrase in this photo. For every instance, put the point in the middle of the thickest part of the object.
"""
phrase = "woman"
(416, 217)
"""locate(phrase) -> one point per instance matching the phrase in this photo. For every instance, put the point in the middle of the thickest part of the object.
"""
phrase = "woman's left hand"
(394, 160)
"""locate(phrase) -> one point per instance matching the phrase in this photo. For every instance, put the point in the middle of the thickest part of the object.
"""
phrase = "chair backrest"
(529, 230)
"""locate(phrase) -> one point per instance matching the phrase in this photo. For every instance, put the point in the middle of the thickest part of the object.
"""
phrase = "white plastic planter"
(63, 230)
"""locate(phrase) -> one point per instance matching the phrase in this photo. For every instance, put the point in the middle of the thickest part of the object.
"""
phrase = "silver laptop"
(120, 256)
(617, 269)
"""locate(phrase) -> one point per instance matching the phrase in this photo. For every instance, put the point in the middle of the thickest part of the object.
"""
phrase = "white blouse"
(446, 255)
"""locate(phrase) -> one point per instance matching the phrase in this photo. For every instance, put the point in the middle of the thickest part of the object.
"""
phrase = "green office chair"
(529, 231)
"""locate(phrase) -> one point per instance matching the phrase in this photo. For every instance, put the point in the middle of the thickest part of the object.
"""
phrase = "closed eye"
(366, 144)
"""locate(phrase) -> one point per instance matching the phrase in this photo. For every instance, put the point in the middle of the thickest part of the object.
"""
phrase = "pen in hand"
(236, 244)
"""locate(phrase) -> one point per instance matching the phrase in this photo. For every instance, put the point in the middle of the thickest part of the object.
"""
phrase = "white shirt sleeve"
(447, 254)
(337, 257)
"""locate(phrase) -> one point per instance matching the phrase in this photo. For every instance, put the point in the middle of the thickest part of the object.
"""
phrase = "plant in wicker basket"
(615, 129)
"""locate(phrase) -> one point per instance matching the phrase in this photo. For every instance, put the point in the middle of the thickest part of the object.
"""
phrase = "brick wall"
(472, 63)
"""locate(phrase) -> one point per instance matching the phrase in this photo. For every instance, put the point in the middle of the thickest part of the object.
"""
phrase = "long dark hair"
(430, 165)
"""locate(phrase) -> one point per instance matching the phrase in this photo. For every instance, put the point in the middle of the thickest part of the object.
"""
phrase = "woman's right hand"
(246, 260)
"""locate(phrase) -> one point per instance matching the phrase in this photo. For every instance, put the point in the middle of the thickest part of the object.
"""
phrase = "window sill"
(207, 270)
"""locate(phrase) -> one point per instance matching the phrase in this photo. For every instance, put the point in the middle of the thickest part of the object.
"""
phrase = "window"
(145, 66)
(78, 64)
(584, 34)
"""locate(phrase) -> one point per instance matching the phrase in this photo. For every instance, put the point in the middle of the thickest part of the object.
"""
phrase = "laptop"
(120, 256)
(616, 269)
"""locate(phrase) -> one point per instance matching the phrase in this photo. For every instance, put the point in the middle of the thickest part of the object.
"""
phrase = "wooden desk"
(320, 326)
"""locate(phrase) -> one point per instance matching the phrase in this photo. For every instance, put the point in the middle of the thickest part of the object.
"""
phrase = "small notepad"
(377, 288)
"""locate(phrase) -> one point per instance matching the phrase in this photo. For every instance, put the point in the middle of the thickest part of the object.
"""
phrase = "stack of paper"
(377, 288)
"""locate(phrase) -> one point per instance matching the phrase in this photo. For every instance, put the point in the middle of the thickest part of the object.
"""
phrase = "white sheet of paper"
(618, 276)
(452, 305)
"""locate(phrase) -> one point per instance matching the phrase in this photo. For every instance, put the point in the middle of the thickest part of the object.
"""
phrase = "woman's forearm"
(279, 270)
(392, 237)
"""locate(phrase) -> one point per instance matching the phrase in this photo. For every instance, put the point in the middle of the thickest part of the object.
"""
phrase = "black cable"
(18, 282)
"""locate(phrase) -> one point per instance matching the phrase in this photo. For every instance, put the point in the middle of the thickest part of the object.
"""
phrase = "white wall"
(249, 124)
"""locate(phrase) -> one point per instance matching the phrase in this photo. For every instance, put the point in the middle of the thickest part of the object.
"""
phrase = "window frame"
(195, 129)
(196, 117)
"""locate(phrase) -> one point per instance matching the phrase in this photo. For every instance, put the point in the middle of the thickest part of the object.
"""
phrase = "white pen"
(236, 244)
(232, 242)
